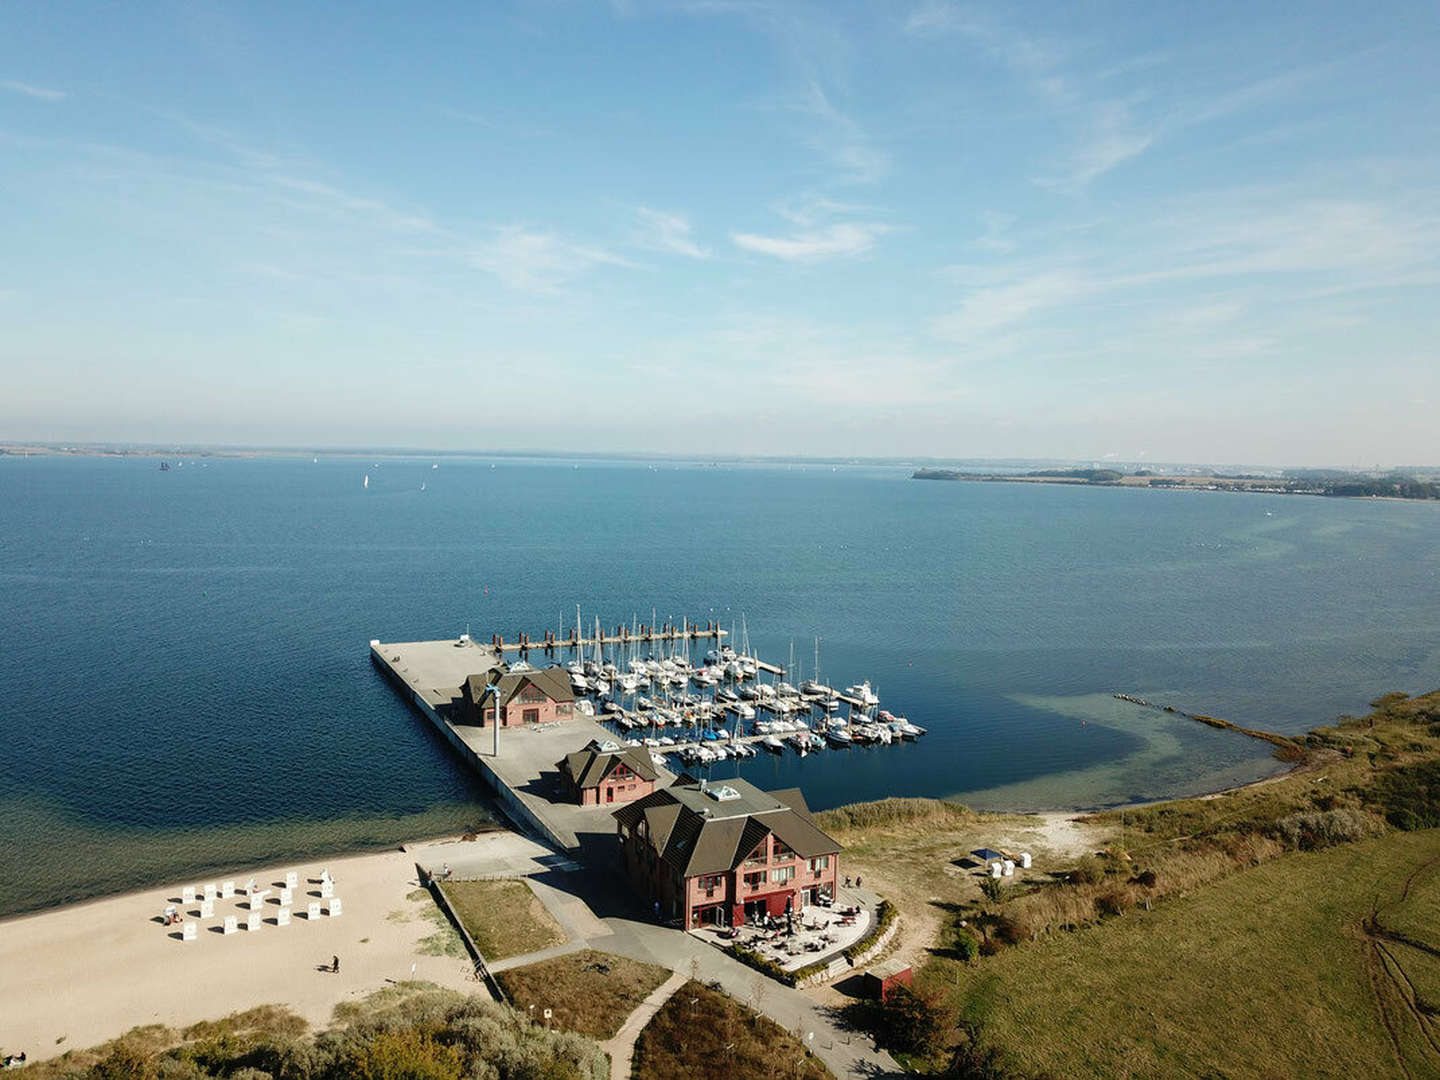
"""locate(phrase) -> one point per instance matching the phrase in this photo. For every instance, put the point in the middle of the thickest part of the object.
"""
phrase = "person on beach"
(335, 965)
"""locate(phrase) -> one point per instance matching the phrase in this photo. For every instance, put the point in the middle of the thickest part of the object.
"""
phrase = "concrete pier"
(429, 674)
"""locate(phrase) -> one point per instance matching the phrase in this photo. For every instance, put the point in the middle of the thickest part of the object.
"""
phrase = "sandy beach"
(74, 977)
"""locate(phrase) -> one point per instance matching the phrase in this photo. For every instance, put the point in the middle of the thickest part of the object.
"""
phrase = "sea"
(185, 683)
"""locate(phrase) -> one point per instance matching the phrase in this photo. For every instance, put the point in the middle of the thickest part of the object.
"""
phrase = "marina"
(680, 694)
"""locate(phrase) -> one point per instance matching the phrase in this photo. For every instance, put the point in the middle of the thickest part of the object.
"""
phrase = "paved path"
(622, 1047)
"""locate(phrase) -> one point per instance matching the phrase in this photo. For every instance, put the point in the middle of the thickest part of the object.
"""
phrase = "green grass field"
(704, 1034)
(503, 917)
(590, 992)
(1272, 971)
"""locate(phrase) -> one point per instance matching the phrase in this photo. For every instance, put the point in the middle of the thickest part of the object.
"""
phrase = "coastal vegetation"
(589, 992)
(701, 1033)
(1320, 887)
(1335, 485)
(411, 1031)
(503, 918)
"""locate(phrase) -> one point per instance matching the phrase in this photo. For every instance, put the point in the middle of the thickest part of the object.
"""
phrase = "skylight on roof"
(723, 793)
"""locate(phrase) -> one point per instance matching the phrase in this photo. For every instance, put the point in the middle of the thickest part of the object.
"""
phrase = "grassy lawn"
(703, 1034)
(504, 917)
(591, 992)
(1271, 971)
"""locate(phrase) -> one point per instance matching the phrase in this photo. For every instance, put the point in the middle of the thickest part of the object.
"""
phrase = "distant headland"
(1299, 482)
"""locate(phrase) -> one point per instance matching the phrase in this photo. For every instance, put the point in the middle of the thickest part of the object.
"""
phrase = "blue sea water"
(186, 681)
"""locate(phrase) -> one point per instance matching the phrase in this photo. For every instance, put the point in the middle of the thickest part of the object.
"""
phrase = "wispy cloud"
(833, 241)
(344, 201)
(998, 307)
(837, 135)
(539, 261)
(661, 230)
(41, 93)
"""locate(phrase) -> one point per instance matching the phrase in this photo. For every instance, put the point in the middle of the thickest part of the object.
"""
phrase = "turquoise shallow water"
(186, 682)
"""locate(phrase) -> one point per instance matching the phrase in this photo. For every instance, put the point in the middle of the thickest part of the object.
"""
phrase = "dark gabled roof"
(699, 834)
(588, 767)
(553, 682)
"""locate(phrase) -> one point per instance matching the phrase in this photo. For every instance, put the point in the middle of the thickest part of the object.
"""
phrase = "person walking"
(335, 965)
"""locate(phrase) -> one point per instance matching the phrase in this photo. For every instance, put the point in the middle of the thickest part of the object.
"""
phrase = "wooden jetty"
(624, 635)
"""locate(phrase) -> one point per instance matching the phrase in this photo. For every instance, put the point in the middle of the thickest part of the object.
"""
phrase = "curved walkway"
(622, 1047)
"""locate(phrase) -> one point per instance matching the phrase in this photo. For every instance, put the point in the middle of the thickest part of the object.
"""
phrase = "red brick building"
(599, 775)
(524, 697)
(726, 853)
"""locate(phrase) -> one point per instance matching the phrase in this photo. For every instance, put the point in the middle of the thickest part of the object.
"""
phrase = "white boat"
(837, 737)
(774, 745)
(745, 711)
(801, 743)
(585, 707)
(863, 692)
(810, 686)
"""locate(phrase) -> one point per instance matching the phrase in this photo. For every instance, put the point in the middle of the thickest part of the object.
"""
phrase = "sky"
(1090, 231)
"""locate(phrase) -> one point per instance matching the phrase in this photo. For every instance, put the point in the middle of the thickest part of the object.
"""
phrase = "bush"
(905, 1021)
(1147, 878)
(993, 889)
(1088, 871)
(762, 964)
(966, 946)
(1409, 795)
(885, 914)
(1313, 830)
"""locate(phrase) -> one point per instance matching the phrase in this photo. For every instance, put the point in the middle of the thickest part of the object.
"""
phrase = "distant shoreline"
(1347, 489)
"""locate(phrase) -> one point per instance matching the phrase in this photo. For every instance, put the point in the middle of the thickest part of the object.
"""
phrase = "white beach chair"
(1024, 860)
(335, 908)
(210, 890)
(189, 931)
(287, 897)
(325, 876)
(187, 894)
(232, 924)
(996, 869)
(207, 909)
(257, 899)
(282, 917)
(1009, 866)
(312, 911)
(327, 889)
(227, 890)
(252, 922)
(292, 879)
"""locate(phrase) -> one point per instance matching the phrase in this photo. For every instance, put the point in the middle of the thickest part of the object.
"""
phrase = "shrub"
(1409, 795)
(762, 964)
(895, 811)
(993, 889)
(1112, 902)
(906, 1021)
(1324, 828)
(885, 914)
(1147, 878)
(1088, 871)
(966, 946)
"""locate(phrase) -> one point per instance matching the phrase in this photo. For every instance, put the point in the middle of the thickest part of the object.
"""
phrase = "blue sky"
(1200, 232)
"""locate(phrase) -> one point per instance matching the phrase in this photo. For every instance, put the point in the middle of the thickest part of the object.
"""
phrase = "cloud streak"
(539, 262)
(841, 240)
(663, 231)
(40, 93)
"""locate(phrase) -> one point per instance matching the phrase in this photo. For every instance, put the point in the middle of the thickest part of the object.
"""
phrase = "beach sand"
(74, 977)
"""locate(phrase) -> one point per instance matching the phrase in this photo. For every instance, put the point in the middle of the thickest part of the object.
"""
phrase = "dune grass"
(1271, 971)
(704, 1034)
(503, 917)
(589, 992)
